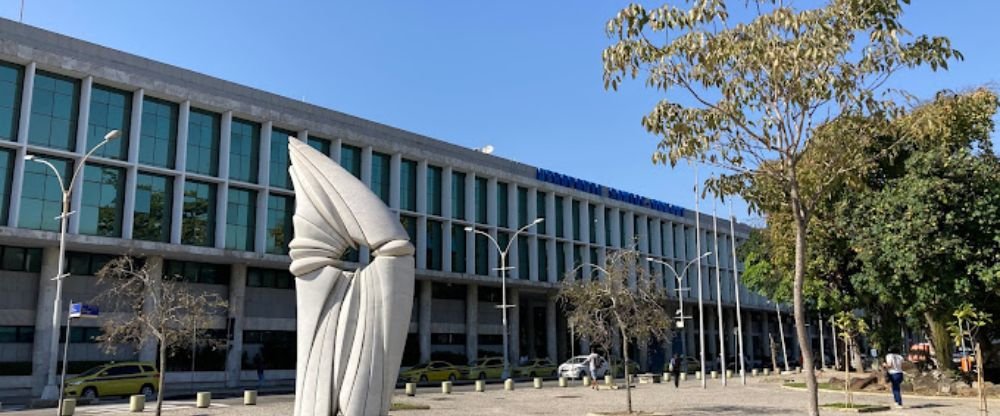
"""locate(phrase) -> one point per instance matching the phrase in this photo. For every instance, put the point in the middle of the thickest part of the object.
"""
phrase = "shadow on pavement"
(736, 410)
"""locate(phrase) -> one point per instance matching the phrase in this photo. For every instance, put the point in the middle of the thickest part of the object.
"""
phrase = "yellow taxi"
(536, 367)
(431, 371)
(115, 379)
(484, 368)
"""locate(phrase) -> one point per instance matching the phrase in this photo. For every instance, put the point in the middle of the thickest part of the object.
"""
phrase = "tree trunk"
(774, 353)
(163, 373)
(798, 302)
(628, 385)
(847, 371)
(941, 340)
(979, 378)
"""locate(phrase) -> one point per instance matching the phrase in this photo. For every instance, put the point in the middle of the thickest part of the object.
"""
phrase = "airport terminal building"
(198, 187)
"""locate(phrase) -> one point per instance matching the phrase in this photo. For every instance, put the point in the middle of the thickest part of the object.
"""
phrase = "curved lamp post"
(503, 282)
(677, 276)
(52, 390)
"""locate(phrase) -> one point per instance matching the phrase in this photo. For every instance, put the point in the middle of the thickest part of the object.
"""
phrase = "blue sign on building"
(80, 310)
(607, 192)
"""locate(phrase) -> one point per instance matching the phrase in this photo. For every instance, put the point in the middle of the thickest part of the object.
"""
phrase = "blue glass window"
(408, 185)
(350, 159)
(458, 195)
(540, 213)
(458, 248)
(6, 169)
(153, 202)
(502, 211)
(279, 159)
(434, 190)
(434, 245)
(320, 144)
(158, 134)
(543, 260)
(241, 218)
(481, 185)
(41, 194)
(54, 110)
(380, 175)
(279, 223)
(203, 143)
(103, 198)
(110, 109)
(560, 218)
(244, 150)
(198, 225)
(11, 79)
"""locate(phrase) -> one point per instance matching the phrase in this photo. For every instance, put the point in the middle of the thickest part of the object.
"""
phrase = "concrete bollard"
(666, 377)
(538, 382)
(508, 384)
(697, 375)
(563, 382)
(609, 380)
(586, 381)
(713, 374)
(411, 389)
(684, 376)
(446, 387)
(203, 399)
(250, 397)
(136, 403)
(480, 386)
(69, 407)
(754, 372)
(767, 371)
(798, 369)
(729, 373)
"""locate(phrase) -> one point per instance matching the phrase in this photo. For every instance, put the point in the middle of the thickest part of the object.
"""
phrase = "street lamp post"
(677, 276)
(51, 390)
(503, 283)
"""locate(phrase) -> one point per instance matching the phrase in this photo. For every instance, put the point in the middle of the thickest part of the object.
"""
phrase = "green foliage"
(968, 322)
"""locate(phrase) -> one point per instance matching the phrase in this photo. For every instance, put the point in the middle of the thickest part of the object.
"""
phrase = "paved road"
(757, 398)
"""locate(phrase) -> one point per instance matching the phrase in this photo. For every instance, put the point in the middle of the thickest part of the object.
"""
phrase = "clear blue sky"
(524, 76)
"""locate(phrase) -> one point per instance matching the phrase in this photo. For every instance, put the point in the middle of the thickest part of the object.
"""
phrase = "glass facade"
(542, 228)
(6, 170)
(11, 78)
(320, 144)
(198, 221)
(279, 163)
(41, 194)
(410, 225)
(458, 248)
(158, 133)
(503, 214)
(102, 201)
(408, 185)
(54, 110)
(523, 258)
(244, 150)
(481, 185)
(543, 260)
(560, 218)
(110, 109)
(522, 206)
(241, 216)
(203, 143)
(576, 219)
(153, 201)
(350, 159)
(434, 245)
(279, 223)
(434, 181)
(458, 195)
(592, 224)
(380, 175)
(482, 255)
(561, 261)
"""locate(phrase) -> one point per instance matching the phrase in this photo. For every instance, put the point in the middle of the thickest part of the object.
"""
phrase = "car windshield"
(419, 366)
(577, 360)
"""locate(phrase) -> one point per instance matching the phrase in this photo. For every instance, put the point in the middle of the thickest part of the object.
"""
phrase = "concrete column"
(616, 228)
(395, 163)
(550, 215)
(424, 323)
(514, 324)
(17, 178)
(83, 118)
(491, 201)
(421, 243)
(335, 146)
(601, 221)
(551, 255)
(470, 215)
(131, 173)
(550, 328)
(155, 267)
(264, 172)
(472, 321)
(180, 164)
(222, 194)
(237, 298)
(568, 219)
(366, 166)
(43, 319)
(446, 197)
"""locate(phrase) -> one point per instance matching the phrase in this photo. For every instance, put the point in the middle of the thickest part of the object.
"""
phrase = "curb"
(905, 396)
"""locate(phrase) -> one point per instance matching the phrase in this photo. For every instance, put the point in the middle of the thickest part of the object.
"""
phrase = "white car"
(576, 368)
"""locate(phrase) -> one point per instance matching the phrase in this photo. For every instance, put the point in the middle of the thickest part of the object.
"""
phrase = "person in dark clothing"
(258, 362)
(675, 370)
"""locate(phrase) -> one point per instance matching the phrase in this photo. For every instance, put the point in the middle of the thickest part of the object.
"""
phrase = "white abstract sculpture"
(351, 325)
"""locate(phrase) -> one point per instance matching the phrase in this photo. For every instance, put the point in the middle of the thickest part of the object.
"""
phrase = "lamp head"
(537, 221)
(112, 135)
(468, 229)
(650, 259)
(29, 157)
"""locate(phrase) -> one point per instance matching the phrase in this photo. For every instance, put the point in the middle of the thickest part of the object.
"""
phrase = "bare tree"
(850, 327)
(151, 309)
(613, 304)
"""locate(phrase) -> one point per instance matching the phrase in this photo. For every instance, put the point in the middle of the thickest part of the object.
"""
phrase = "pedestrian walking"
(593, 363)
(894, 367)
(675, 370)
(258, 363)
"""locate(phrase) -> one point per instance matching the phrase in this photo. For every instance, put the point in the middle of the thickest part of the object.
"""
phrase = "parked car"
(484, 368)
(576, 368)
(431, 371)
(115, 379)
(536, 367)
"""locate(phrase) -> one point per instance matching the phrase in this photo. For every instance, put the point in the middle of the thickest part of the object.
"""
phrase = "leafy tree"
(850, 327)
(151, 309)
(748, 95)
(969, 324)
(613, 306)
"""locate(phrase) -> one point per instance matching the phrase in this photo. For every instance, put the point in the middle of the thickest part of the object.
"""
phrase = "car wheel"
(423, 378)
(452, 378)
(482, 376)
(89, 393)
(148, 391)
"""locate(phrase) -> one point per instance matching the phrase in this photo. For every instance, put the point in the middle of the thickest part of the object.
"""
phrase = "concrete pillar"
(601, 221)
(83, 118)
(616, 229)
(155, 266)
(472, 321)
(180, 164)
(43, 319)
(263, 169)
(395, 163)
(424, 324)
(128, 205)
(237, 299)
(550, 328)
(514, 324)
(222, 194)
